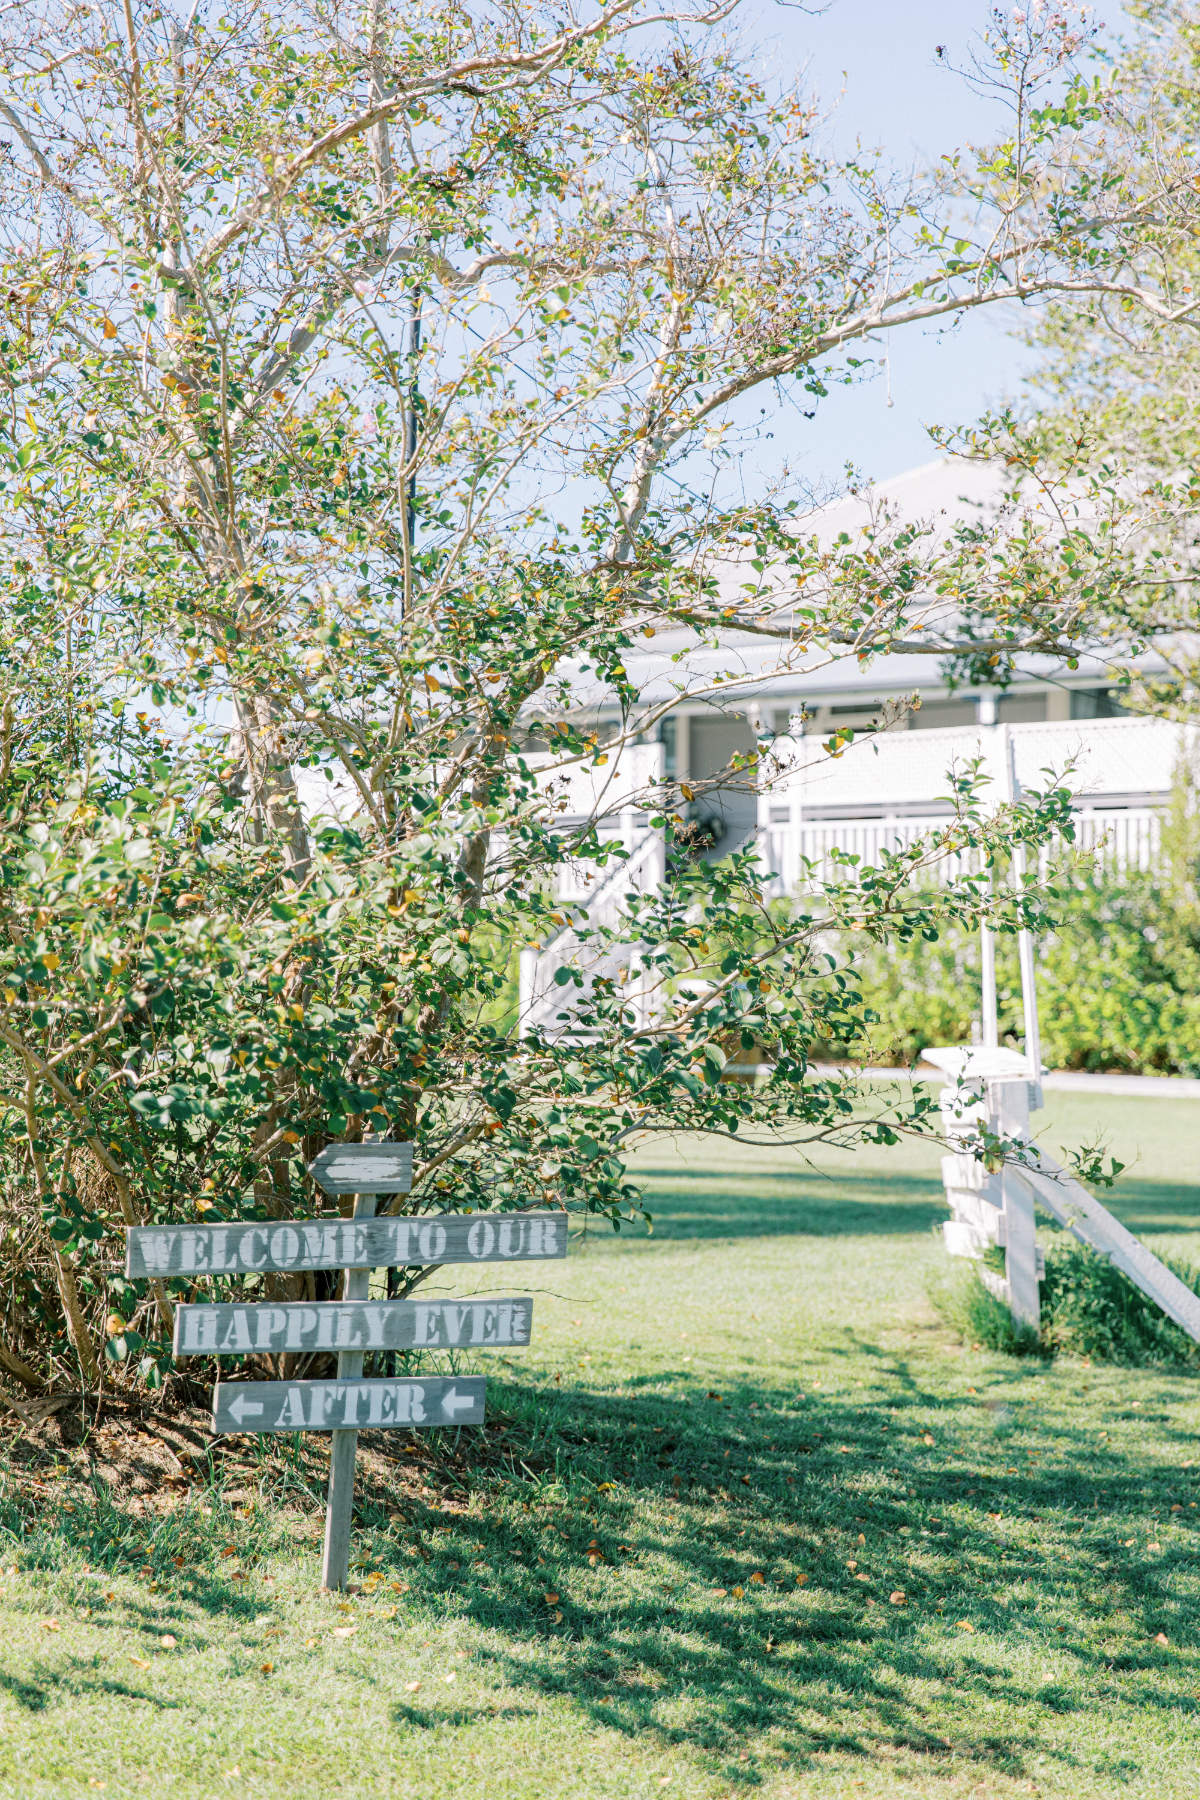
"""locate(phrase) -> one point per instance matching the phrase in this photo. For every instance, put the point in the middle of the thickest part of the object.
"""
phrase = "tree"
(366, 374)
(1108, 431)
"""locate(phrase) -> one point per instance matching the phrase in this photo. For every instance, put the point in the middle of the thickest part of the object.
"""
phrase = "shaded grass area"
(748, 1520)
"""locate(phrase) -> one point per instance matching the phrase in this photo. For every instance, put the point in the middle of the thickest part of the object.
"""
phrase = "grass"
(750, 1521)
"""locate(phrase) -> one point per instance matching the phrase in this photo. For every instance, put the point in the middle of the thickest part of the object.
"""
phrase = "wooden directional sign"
(347, 1405)
(238, 1330)
(354, 1324)
(361, 1243)
(363, 1168)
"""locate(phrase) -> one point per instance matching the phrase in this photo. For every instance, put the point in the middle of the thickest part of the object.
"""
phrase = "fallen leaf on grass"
(964, 1624)
(1160, 1637)
(927, 1437)
(310, 1643)
(739, 1593)
(898, 1598)
(720, 1593)
(139, 1662)
(266, 1668)
(451, 1677)
(50, 1625)
(550, 1599)
(862, 1578)
(229, 1550)
(758, 1576)
(344, 1630)
(411, 1687)
(167, 1641)
(1154, 1546)
(800, 1580)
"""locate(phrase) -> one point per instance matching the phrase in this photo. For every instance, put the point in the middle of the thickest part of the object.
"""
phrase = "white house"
(885, 787)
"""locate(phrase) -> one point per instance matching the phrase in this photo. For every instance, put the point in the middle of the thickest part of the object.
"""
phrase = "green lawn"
(729, 1447)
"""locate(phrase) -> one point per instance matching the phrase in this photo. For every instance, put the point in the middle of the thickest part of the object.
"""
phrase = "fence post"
(1008, 1107)
(343, 1450)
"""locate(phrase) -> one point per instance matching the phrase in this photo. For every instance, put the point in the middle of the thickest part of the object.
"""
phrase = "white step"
(995, 1284)
(961, 1239)
(980, 1215)
(966, 1174)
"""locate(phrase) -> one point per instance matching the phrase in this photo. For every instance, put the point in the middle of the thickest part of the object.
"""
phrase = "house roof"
(741, 666)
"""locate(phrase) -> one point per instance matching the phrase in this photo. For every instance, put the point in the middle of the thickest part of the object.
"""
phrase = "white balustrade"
(880, 793)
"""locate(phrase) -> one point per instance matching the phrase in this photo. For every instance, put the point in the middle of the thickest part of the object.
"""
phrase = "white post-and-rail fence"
(354, 1324)
(995, 1174)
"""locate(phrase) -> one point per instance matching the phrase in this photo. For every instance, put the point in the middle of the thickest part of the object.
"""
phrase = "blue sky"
(879, 55)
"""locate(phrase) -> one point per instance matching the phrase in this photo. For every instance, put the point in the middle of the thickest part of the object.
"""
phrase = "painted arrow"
(241, 1408)
(453, 1402)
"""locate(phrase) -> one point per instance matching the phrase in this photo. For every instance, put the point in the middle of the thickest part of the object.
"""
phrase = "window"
(1021, 709)
(1095, 703)
(939, 715)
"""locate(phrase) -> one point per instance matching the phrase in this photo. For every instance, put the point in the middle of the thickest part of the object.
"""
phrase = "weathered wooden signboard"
(239, 1330)
(355, 1323)
(287, 1247)
(347, 1405)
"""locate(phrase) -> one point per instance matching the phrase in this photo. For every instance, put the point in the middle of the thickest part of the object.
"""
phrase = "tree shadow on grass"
(896, 1582)
(1150, 1206)
(805, 1202)
(790, 1203)
(41, 1685)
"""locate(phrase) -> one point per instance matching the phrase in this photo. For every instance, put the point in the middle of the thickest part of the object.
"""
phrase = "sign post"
(353, 1324)
(335, 1561)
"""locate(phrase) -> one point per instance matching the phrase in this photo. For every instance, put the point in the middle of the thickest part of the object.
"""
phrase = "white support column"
(989, 1015)
(1033, 1042)
(527, 969)
(1008, 1112)
(683, 746)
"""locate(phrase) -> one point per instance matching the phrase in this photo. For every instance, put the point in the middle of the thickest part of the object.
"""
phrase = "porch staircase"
(557, 975)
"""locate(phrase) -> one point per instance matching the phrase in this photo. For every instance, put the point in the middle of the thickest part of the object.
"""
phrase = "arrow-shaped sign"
(354, 1405)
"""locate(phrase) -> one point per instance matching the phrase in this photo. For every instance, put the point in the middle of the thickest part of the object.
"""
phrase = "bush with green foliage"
(1118, 981)
(347, 380)
(1089, 1309)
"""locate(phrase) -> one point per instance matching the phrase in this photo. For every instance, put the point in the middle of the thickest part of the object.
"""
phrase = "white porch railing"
(881, 793)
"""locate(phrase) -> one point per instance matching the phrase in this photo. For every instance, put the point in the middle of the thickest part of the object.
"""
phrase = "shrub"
(1118, 983)
(1089, 1309)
